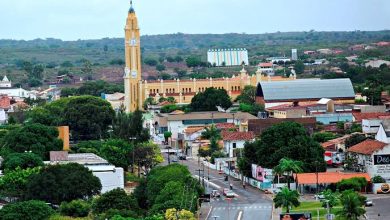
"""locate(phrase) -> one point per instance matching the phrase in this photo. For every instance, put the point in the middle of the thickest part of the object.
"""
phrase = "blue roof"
(306, 89)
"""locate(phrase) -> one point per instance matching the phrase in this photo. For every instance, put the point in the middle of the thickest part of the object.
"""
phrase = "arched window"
(232, 88)
(157, 90)
(190, 90)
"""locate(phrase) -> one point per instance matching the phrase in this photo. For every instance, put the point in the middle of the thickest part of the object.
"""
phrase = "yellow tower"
(132, 76)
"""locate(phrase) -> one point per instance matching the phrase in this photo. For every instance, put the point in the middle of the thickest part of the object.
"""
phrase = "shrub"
(378, 179)
(355, 183)
(31, 210)
(75, 208)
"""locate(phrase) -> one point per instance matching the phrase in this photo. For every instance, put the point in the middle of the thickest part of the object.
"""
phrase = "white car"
(319, 197)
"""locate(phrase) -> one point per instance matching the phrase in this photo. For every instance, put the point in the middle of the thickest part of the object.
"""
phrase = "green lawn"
(312, 208)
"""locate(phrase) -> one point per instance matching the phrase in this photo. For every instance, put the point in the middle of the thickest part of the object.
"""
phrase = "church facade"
(138, 90)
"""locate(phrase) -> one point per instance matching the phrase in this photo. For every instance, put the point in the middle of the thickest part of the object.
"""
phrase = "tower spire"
(131, 10)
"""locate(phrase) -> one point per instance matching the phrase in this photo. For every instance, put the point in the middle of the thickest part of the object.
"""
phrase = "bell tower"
(132, 76)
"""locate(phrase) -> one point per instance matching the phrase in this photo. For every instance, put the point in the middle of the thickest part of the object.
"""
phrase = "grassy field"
(312, 207)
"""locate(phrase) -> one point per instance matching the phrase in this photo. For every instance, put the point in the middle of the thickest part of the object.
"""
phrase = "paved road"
(380, 210)
(249, 204)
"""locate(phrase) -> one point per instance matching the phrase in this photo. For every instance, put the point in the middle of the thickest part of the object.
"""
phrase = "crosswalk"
(242, 207)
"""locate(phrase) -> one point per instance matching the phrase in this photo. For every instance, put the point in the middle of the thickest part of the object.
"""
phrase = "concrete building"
(257, 126)
(376, 63)
(228, 57)
(5, 83)
(383, 133)
(266, 69)
(235, 140)
(278, 59)
(373, 157)
(18, 94)
(116, 100)
(111, 177)
(294, 54)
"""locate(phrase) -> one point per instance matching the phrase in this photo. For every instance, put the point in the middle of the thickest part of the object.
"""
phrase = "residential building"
(18, 94)
(266, 69)
(116, 100)
(287, 111)
(278, 59)
(111, 177)
(359, 116)
(294, 54)
(376, 63)
(235, 140)
(309, 52)
(383, 44)
(337, 144)
(257, 126)
(228, 57)
(305, 90)
(373, 157)
(325, 51)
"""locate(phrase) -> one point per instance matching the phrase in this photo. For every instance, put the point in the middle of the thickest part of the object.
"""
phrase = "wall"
(228, 145)
(370, 126)
(111, 179)
(63, 134)
(381, 135)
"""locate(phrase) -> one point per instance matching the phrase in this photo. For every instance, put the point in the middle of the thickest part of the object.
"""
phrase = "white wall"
(381, 135)
(370, 126)
(111, 179)
(228, 145)
(374, 170)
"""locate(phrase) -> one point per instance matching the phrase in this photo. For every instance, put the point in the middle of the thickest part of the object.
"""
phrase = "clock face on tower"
(134, 74)
(133, 42)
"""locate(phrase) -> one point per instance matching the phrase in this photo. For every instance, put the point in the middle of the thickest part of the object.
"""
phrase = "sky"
(95, 19)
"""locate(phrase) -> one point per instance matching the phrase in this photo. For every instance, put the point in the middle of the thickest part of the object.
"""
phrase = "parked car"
(368, 202)
(319, 197)
(230, 194)
(174, 159)
(182, 157)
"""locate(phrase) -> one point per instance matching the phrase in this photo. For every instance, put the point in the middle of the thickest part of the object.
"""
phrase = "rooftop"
(306, 89)
(238, 136)
(193, 129)
(210, 115)
(374, 115)
(328, 177)
(367, 147)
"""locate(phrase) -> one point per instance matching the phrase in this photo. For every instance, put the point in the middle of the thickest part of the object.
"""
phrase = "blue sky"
(94, 19)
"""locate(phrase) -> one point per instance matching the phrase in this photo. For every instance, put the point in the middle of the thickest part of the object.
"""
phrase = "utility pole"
(169, 159)
(132, 142)
(198, 170)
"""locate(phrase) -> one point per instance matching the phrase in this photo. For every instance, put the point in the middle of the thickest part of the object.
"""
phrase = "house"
(309, 52)
(371, 156)
(257, 126)
(309, 180)
(18, 94)
(376, 63)
(383, 44)
(5, 83)
(287, 111)
(359, 117)
(325, 51)
(267, 68)
(235, 140)
(116, 100)
(111, 177)
(383, 133)
(304, 90)
(337, 144)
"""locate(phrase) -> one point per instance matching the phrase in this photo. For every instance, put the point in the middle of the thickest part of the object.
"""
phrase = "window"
(234, 145)
(190, 89)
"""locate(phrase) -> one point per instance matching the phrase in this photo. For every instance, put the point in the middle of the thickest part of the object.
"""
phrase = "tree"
(193, 61)
(290, 167)
(160, 67)
(129, 126)
(322, 137)
(173, 214)
(37, 138)
(352, 205)
(22, 160)
(356, 183)
(117, 152)
(299, 67)
(209, 99)
(29, 210)
(211, 132)
(378, 179)
(87, 67)
(248, 95)
(14, 183)
(116, 199)
(149, 101)
(285, 140)
(59, 183)
(331, 199)
(354, 139)
(88, 117)
(147, 155)
(167, 135)
(286, 199)
(37, 72)
(150, 61)
(75, 208)
(171, 99)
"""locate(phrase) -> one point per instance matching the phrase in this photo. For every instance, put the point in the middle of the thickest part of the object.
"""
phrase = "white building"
(111, 177)
(266, 68)
(278, 59)
(235, 140)
(18, 93)
(294, 54)
(376, 63)
(371, 126)
(228, 57)
(373, 157)
(5, 83)
(383, 134)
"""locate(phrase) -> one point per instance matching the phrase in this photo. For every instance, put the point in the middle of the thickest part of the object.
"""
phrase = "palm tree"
(286, 198)
(352, 205)
(288, 166)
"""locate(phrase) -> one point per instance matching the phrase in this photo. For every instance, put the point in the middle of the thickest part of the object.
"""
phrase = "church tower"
(132, 76)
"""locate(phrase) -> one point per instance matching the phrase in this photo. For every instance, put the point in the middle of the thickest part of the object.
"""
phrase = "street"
(248, 204)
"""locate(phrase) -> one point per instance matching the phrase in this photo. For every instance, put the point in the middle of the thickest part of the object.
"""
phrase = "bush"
(75, 208)
(22, 160)
(378, 179)
(31, 210)
(115, 201)
(356, 183)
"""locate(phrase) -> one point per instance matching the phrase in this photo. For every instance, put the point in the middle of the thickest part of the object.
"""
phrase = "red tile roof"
(238, 136)
(265, 64)
(225, 125)
(328, 177)
(367, 147)
(375, 115)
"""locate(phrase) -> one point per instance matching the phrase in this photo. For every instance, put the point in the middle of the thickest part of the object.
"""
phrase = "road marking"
(239, 215)
(211, 208)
